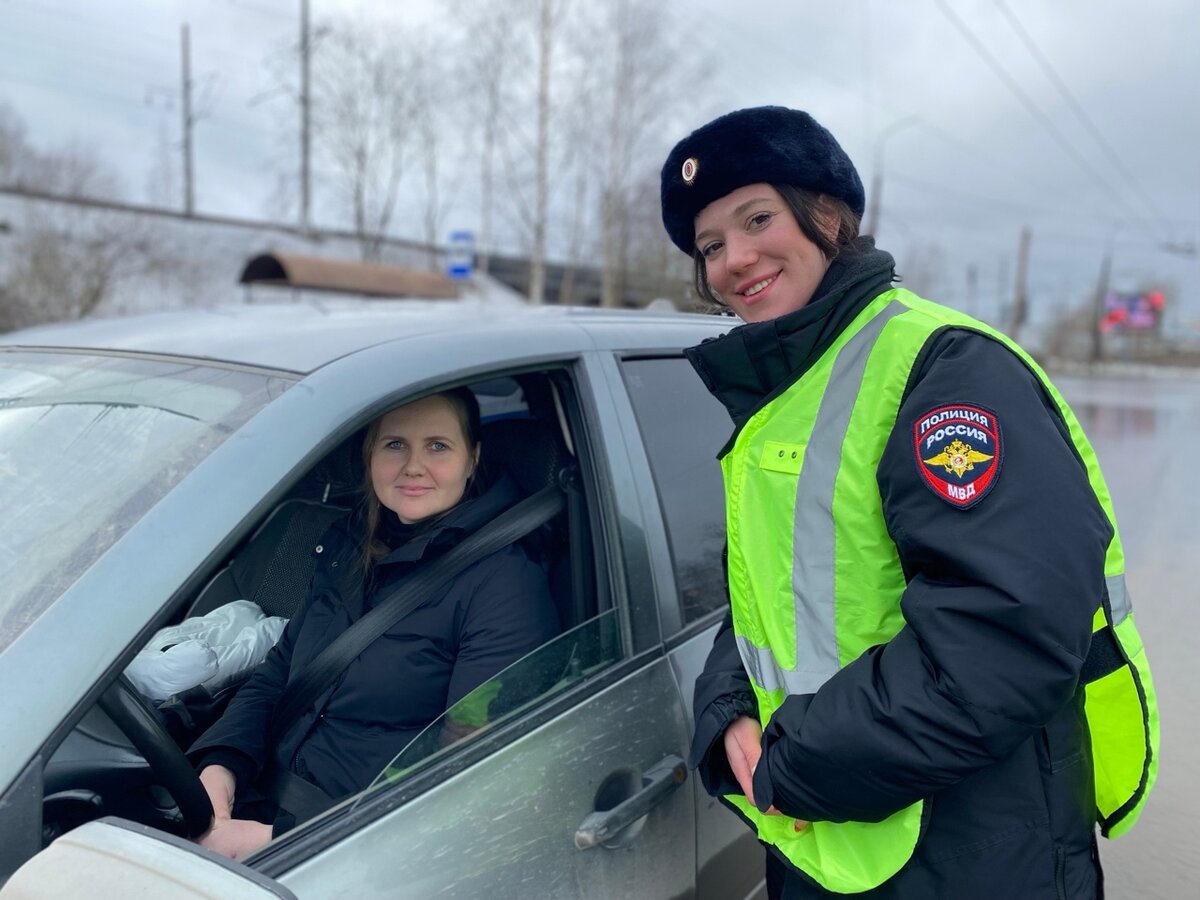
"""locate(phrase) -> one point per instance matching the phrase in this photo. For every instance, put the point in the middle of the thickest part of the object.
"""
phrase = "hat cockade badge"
(689, 169)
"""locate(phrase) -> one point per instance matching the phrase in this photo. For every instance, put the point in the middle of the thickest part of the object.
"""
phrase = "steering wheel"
(122, 703)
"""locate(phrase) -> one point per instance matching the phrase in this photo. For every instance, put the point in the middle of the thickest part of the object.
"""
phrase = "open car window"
(531, 432)
(545, 673)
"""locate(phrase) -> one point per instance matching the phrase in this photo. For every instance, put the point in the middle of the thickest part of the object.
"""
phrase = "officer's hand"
(743, 749)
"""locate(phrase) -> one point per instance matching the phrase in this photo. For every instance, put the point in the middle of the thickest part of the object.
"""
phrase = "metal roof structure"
(346, 276)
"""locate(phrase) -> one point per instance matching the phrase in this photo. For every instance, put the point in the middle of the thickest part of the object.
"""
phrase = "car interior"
(116, 761)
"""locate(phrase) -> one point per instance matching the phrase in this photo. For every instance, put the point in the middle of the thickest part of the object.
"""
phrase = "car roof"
(305, 335)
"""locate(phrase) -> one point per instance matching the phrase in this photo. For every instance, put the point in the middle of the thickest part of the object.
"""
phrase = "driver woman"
(423, 494)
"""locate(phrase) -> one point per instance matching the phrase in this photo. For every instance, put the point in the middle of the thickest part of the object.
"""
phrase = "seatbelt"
(508, 527)
(576, 529)
(293, 794)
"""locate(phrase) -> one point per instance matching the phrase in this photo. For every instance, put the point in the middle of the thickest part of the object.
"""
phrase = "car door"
(534, 804)
(574, 789)
(681, 428)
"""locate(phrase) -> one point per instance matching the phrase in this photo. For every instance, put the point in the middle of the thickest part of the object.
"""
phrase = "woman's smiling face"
(756, 258)
(421, 459)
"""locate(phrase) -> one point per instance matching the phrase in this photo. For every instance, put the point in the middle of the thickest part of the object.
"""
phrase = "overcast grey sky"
(1075, 118)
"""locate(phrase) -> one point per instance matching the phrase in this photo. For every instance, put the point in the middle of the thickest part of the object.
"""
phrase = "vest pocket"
(778, 456)
(842, 857)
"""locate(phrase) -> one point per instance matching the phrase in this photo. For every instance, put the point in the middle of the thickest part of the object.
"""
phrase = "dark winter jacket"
(982, 719)
(489, 616)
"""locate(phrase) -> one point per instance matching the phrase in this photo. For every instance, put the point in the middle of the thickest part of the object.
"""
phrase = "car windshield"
(88, 444)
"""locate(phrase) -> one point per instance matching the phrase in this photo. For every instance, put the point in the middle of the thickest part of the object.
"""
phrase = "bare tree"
(62, 262)
(547, 25)
(432, 125)
(513, 63)
(578, 130)
(161, 188)
(65, 262)
(923, 269)
(648, 76)
(58, 275)
(649, 260)
(73, 171)
(362, 121)
(573, 100)
(14, 146)
(491, 51)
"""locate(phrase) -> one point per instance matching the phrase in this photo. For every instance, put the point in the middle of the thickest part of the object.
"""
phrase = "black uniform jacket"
(490, 615)
(975, 705)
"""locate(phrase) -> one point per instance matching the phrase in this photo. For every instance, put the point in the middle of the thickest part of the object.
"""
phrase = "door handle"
(657, 784)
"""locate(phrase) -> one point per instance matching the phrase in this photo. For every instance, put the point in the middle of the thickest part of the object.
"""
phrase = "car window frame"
(325, 408)
(589, 411)
(675, 628)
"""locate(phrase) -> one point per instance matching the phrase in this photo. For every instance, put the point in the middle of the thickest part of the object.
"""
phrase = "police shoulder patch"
(958, 451)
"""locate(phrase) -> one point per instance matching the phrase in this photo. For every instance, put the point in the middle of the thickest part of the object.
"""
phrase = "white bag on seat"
(214, 650)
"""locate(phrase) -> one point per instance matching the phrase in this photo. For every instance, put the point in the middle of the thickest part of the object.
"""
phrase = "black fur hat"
(770, 144)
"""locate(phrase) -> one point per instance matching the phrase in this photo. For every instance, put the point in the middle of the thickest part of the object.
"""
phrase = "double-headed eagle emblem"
(958, 458)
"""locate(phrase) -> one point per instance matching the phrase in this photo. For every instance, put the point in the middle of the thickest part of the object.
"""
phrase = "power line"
(141, 49)
(75, 14)
(1077, 108)
(776, 40)
(72, 89)
(973, 199)
(259, 9)
(1044, 120)
(92, 55)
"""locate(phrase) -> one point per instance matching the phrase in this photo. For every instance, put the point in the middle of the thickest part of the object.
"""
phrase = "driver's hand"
(235, 838)
(220, 785)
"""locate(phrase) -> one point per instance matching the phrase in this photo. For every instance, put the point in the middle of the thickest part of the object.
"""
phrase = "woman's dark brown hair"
(466, 408)
(812, 213)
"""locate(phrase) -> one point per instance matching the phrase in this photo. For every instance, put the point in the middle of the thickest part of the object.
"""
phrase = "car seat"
(532, 451)
(277, 563)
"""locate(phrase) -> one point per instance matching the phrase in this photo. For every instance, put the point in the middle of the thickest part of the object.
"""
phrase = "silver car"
(151, 467)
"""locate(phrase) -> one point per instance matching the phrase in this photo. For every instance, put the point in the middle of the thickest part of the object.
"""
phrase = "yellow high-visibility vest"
(815, 579)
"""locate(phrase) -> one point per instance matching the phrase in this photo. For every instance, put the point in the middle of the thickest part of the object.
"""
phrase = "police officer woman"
(930, 684)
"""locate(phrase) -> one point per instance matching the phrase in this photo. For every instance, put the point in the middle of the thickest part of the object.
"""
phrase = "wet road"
(1146, 432)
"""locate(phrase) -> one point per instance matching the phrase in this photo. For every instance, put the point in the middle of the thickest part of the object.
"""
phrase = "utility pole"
(871, 223)
(537, 260)
(1098, 302)
(1001, 289)
(1020, 293)
(875, 197)
(305, 128)
(188, 191)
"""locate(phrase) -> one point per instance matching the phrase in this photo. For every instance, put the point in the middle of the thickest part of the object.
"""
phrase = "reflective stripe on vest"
(813, 532)
(845, 857)
(855, 389)
(1118, 597)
